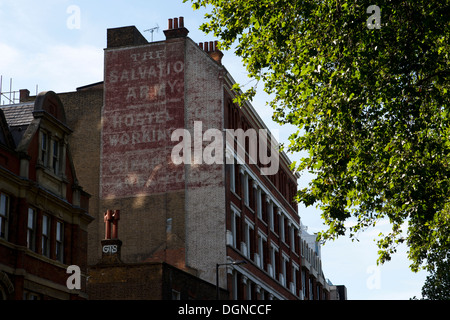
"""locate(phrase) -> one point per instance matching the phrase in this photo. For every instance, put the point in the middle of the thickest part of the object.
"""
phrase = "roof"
(18, 114)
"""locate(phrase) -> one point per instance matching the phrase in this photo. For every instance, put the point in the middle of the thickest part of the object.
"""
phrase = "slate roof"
(18, 117)
(19, 114)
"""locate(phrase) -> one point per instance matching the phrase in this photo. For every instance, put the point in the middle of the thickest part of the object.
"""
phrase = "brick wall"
(122, 147)
(205, 192)
(149, 281)
(83, 115)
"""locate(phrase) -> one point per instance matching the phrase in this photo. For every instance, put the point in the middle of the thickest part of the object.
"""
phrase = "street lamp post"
(234, 263)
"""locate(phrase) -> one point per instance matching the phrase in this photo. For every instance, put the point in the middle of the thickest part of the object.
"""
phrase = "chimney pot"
(115, 224)
(211, 46)
(201, 45)
(176, 29)
(108, 218)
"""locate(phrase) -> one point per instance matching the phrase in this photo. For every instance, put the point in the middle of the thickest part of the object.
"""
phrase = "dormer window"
(50, 152)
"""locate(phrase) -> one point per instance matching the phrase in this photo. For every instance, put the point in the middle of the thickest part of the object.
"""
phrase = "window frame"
(4, 216)
(56, 156)
(45, 236)
(59, 241)
(44, 148)
(31, 230)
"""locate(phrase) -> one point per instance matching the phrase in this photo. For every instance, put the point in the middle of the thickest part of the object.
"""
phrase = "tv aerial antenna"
(152, 30)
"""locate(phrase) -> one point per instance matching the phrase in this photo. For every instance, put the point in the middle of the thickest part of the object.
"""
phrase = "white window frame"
(284, 266)
(261, 238)
(273, 250)
(247, 239)
(235, 212)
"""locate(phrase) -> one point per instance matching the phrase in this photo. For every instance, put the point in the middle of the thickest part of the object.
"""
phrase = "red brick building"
(43, 210)
(147, 143)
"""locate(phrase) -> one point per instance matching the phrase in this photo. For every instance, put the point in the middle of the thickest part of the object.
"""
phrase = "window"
(270, 214)
(281, 225)
(249, 231)
(27, 295)
(55, 162)
(235, 229)
(246, 191)
(294, 279)
(31, 229)
(292, 237)
(234, 287)
(237, 179)
(250, 290)
(276, 220)
(46, 236)
(4, 214)
(262, 244)
(232, 177)
(176, 295)
(304, 283)
(259, 203)
(44, 148)
(283, 271)
(253, 194)
(272, 267)
(287, 230)
(60, 241)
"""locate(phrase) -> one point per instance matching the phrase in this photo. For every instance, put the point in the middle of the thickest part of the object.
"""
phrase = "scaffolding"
(11, 96)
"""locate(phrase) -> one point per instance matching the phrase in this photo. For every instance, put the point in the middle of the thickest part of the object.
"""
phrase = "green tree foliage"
(371, 106)
(437, 284)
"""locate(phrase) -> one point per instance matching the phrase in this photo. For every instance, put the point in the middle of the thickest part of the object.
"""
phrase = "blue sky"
(58, 45)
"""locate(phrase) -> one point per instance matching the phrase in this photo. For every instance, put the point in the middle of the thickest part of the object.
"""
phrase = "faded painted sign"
(144, 104)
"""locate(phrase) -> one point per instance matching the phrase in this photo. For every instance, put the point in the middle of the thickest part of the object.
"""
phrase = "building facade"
(43, 210)
(161, 140)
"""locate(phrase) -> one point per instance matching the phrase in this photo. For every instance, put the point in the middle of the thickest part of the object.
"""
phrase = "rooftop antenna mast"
(152, 30)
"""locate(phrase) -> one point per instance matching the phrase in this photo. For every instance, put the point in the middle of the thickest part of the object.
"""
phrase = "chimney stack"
(24, 95)
(211, 49)
(176, 29)
(111, 245)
